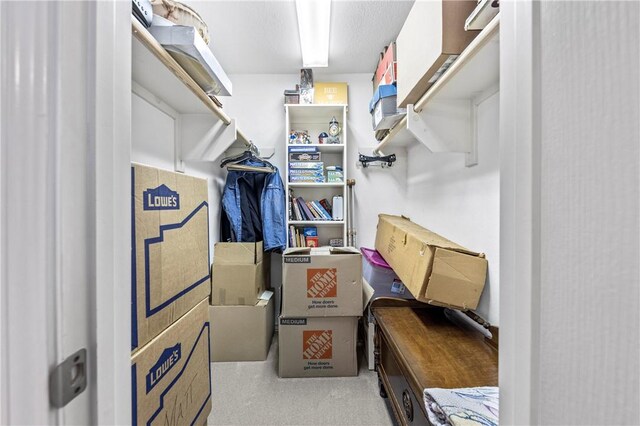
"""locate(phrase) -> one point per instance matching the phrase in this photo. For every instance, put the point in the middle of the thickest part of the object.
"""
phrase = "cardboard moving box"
(440, 23)
(317, 347)
(240, 273)
(242, 333)
(171, 375)
(434, 269)
(322, 282)
(170, 249)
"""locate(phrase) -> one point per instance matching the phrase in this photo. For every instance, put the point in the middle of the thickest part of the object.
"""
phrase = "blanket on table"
(462, 407)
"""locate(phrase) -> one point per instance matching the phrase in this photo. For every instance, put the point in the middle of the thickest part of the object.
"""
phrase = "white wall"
(436, 191)
(589, 338)
(570, 341)
(152, 143)
(463, 203)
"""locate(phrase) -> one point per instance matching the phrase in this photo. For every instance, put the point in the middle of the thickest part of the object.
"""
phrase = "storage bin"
(376, 270)
(383, 107)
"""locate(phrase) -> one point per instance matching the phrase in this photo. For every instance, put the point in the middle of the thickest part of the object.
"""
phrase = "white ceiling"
(261, 37)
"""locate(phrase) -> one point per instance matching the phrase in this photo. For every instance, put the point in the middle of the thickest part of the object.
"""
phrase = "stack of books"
(306, 236)
(305, 164)
(309, 210)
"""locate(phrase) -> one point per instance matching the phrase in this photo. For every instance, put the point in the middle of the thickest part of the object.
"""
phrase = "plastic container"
(376, 270)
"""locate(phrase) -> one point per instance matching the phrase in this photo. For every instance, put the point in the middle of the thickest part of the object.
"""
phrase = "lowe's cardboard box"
(240, 273)
(171, 375)
(322, 282)
(317, 347)
(434, 269)
(170, 249)
(242, 333)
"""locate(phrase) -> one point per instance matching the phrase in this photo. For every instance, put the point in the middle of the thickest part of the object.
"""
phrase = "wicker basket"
(181, 14)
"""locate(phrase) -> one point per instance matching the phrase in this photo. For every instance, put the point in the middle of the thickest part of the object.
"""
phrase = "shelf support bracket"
(212, 144)
(443, 125)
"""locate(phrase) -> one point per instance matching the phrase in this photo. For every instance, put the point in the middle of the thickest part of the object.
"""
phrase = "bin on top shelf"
(383, 107)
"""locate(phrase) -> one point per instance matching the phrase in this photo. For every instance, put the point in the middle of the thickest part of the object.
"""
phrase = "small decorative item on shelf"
(336, 242)
(292, 97)
(334, 127)
(306, 86)
(334, 174)
(323, 138)
(299, 137)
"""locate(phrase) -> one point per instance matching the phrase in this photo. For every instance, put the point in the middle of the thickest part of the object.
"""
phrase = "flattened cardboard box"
(319, 282)
(171, 375)
(240, 273)
(242, 333)
(170, 249)
(436, 271)
(317, 347)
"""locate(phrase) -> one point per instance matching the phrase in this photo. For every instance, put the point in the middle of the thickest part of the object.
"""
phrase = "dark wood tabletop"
(435, 352)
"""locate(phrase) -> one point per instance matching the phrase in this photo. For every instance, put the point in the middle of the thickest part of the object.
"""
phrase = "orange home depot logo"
(317, 344)
(322, 282)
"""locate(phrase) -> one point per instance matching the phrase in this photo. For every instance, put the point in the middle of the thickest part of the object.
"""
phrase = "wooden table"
(418, 348)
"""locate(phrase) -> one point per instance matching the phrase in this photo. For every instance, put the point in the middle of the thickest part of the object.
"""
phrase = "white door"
(64, 217)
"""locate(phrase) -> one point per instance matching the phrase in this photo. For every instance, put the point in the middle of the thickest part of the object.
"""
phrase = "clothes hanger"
(252, 153)
(245, 168)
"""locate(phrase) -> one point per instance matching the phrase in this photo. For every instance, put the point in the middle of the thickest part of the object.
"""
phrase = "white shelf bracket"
(443, 125)
(212, 144)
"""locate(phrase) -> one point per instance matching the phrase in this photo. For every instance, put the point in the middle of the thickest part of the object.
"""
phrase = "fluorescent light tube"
(314, 20)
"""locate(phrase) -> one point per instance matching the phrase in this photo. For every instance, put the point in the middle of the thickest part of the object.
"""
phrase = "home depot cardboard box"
(434, 269)
(330, 93)
(322, 282)
(170, 249)
(240, 273)
(242, 333)
(171, 375)
(440, 23)
(317, 347)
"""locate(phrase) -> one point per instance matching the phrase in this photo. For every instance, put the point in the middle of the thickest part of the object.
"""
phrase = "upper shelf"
(155, 70)
(475, 71)
(159, 77)
(314, 113)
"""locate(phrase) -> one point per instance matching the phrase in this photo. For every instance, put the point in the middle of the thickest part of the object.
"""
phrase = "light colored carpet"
(251, 393)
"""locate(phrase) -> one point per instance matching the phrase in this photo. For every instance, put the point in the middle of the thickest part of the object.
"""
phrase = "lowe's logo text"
(160, 198)
(167, 360)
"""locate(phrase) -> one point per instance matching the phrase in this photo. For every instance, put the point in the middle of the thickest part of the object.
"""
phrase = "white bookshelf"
(315, 119)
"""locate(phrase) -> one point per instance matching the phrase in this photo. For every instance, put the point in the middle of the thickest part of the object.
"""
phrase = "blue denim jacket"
(272, 206)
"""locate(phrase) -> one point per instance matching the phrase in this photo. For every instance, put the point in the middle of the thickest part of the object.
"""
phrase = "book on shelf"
(325, 203)
(301, 210)
(296, 211)
(307, 213)
(310, 231)
(312, 242)
(321, 210)
(303, 236)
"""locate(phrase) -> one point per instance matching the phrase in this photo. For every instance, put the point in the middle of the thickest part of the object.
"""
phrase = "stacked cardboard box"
(170, 374)
(321, 303)
(241, 310)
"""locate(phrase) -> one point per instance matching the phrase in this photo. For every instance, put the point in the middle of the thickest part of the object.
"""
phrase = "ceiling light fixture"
(314, 18)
